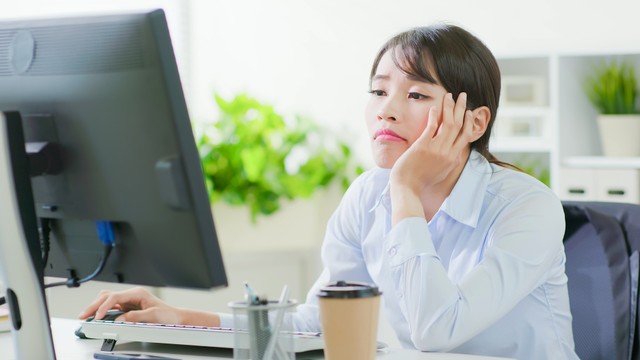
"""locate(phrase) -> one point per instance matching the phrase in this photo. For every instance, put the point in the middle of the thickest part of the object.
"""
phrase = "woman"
(467, 250)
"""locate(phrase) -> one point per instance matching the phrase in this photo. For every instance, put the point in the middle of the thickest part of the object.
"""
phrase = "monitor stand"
(31, 328)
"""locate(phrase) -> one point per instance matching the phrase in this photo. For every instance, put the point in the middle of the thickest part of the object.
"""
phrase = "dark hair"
(462, 63)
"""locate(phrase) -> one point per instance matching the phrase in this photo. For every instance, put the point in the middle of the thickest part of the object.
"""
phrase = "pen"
(251, 296)
(272, 345)
(259, 327)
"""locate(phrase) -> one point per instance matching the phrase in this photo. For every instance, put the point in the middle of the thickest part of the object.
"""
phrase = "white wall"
(314, 57)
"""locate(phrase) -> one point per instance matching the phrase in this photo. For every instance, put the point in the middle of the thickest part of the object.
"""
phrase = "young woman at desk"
(466, 249)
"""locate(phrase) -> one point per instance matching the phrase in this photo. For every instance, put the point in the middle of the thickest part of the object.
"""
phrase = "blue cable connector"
(105, 232)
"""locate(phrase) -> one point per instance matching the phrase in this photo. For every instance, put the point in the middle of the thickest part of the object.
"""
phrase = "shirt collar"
(383, 199)
(465, 201)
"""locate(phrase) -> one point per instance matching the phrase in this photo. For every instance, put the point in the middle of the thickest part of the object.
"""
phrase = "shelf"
(602, 162)
(546, 116)
(517, 144)
(523, 111)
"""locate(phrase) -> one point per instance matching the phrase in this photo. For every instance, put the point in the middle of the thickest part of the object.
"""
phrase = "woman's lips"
(387, 135)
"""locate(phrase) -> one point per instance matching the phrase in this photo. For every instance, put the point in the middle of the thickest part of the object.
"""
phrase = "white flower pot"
(619, 135)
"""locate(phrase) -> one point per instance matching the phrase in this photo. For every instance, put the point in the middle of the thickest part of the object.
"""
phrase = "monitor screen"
(104, 95)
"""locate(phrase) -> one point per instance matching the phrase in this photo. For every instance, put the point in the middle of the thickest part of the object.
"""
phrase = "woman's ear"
(481, 117)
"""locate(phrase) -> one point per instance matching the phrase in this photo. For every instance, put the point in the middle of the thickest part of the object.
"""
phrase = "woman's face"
(397, 111)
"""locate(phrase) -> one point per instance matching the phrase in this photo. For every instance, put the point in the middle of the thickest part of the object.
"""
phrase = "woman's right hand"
(423, 176)
(138, 304)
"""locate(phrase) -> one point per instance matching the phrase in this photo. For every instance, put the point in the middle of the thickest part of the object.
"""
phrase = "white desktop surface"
(69, 347)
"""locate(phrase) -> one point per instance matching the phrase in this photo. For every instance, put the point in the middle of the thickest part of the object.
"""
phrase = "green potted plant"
(252, 156)
(612, 89)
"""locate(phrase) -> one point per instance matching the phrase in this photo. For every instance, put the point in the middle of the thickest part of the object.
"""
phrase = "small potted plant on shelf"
(613, 90)
(252, 156)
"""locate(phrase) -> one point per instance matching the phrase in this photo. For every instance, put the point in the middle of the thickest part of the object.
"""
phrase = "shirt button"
(393, 251)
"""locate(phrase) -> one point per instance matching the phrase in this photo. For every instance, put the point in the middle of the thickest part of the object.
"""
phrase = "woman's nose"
(387, 111)
(385, 116)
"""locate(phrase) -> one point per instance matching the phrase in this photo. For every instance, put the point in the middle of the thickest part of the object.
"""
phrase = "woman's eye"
(377, 92)
(416, 96)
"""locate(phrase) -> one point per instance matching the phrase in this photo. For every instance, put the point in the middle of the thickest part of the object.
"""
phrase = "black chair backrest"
(603, 270)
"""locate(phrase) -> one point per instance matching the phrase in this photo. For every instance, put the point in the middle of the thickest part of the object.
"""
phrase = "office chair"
(602, 243)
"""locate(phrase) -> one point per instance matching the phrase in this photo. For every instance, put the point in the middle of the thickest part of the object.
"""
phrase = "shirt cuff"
(226, 320)
(408, 239)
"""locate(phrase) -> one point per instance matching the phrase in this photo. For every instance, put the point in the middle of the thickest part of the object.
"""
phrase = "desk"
(69, 347)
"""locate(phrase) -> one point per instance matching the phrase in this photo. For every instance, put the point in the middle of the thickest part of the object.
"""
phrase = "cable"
(106, 236)
(75, 282)
(45, 231)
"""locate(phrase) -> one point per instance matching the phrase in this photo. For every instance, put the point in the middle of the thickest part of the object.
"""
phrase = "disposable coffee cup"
(349, 318)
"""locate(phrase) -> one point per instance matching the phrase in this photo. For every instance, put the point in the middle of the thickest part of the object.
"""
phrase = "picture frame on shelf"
(519, 126)
(523, 91)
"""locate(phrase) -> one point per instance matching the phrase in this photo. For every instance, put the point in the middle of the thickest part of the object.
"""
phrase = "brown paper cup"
(349, 316)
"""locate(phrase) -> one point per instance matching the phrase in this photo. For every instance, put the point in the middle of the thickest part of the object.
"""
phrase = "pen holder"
(262, 331)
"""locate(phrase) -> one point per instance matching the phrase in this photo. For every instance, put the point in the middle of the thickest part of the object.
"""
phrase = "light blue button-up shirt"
(484, 276)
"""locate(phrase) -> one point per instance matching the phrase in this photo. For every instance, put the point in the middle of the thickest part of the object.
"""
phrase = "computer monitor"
(108, 139)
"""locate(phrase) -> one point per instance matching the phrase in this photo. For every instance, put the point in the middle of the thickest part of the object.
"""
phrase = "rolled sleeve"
(226, 320)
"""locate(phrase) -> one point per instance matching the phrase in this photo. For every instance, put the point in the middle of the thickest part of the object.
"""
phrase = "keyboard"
(217, 337)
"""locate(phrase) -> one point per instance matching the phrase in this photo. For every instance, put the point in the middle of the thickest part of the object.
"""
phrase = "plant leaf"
(245, 164)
